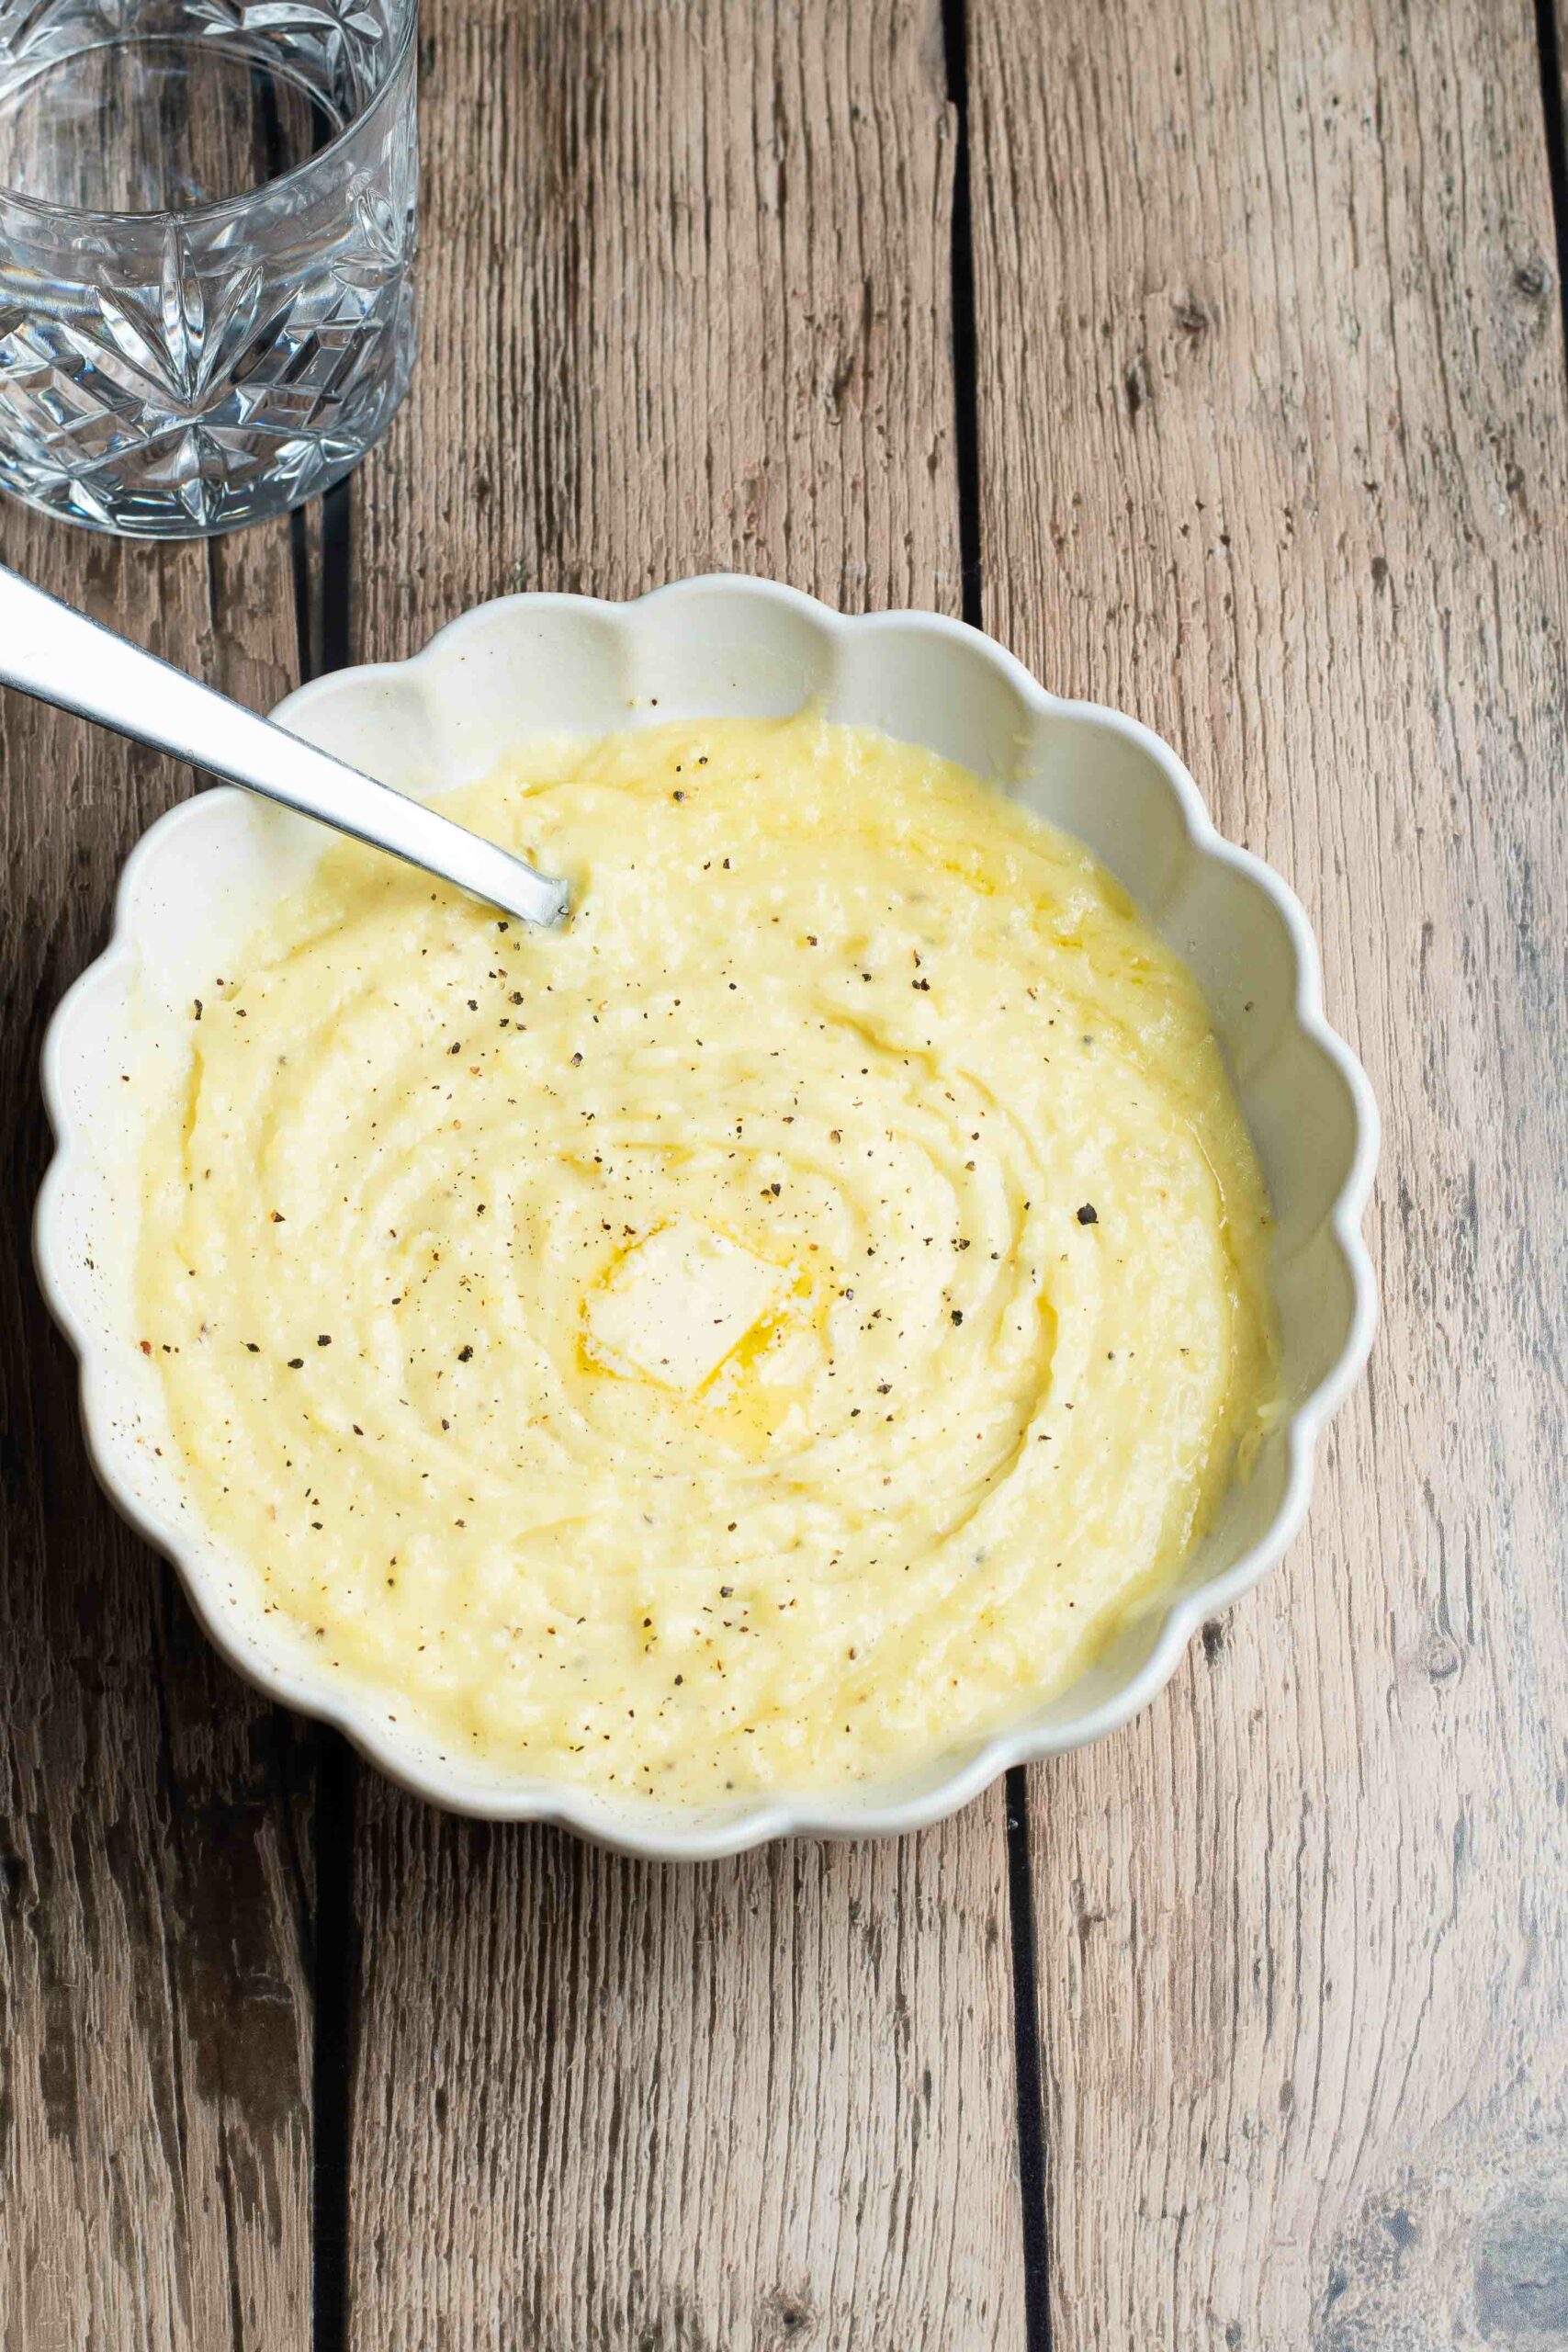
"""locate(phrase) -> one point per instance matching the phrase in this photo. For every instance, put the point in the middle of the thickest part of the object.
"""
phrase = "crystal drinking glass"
(207, 227)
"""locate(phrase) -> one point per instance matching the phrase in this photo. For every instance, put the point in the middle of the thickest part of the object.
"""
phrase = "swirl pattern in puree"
(761, 1335)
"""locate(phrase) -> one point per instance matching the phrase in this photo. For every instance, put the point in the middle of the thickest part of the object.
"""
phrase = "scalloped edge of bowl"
(668, 1833)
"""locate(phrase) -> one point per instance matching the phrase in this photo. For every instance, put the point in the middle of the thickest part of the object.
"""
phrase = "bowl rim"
(814, 1813)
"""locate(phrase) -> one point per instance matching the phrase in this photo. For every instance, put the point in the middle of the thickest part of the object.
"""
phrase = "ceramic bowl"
(202, 877)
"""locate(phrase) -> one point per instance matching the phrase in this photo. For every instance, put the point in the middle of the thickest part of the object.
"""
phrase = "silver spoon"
(61, 656)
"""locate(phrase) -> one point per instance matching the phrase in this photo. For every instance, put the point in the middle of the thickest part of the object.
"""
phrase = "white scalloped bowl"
(202, 877)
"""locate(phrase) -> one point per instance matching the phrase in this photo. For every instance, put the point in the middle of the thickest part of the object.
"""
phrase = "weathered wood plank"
(687, 306)
(155, 2020)
(1273, 453)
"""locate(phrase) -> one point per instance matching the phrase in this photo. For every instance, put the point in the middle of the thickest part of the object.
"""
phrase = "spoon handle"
(50, 650)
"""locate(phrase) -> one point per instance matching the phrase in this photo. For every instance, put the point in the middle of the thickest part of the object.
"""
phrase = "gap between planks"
(1033, 2155)
(321, 548)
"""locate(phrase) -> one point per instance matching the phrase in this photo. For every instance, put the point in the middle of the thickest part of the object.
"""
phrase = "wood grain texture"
(1273, 453)
(687, 301)
(155, 2025)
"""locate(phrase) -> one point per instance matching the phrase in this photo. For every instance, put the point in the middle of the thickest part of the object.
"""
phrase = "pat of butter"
(679, 1303)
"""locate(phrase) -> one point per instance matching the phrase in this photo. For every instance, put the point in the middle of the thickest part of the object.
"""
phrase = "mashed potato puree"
(761, 1335)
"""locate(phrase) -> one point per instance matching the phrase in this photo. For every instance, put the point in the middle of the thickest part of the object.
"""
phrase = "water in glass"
(207, 224)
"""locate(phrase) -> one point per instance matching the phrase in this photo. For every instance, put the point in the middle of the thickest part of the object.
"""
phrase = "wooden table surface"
(1210, 353)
